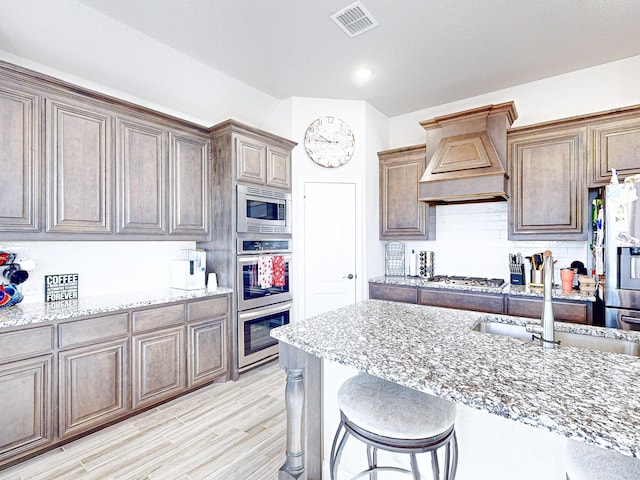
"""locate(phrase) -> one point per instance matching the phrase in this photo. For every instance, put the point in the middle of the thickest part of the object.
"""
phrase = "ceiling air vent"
(354, 19)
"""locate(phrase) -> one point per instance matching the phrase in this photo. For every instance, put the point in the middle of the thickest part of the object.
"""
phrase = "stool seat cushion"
(391, 410)
(589, 462)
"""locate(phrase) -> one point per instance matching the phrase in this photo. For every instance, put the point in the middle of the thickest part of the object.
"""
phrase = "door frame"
(298, 271)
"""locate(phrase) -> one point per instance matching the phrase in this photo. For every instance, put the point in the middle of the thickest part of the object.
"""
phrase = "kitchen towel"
(265, 272)
(278, 270)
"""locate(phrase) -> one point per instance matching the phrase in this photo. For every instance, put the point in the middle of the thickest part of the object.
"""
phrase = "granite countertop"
(583, 394)
(32, 313)
(523, 290)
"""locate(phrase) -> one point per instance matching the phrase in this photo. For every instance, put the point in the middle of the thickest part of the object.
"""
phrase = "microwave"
(263, 211)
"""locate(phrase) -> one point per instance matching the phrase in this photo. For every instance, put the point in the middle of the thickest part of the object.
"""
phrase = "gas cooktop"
(469, 281)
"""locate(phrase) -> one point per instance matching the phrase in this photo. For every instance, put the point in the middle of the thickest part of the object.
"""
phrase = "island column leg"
(292, 360)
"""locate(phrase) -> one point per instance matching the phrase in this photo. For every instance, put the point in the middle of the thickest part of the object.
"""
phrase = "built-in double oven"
(264, 297)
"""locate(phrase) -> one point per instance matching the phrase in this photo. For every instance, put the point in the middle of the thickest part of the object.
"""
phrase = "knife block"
(517, 275)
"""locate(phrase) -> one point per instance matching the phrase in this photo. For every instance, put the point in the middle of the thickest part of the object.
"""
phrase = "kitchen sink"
(573, 339)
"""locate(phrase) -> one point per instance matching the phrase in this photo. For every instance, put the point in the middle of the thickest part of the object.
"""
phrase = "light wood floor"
(230, 431)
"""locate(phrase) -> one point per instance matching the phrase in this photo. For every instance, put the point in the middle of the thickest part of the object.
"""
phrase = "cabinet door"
(548, 189)
(251, 160)
(189, 185)
(141, 169)
(479, 302)
(207, 351)
(78, 169)
(158, 366)
(614, 144)
(20, 160)
(278, 168)
(25, 403)
(395, 293)
(402, 216)
(93, 387)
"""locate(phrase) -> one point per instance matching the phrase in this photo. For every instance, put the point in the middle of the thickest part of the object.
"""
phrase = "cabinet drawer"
(562, 311)
(207, 308)
(158, 317)
(25, 343)
(93, 329)
(394, 293)
(464, 300)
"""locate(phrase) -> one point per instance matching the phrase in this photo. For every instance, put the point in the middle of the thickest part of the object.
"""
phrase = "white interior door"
(329, 246)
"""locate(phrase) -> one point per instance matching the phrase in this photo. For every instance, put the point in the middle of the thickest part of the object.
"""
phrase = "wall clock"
(329, 142)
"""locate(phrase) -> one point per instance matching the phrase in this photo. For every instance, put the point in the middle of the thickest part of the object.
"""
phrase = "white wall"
(472, 239)
(369, 129)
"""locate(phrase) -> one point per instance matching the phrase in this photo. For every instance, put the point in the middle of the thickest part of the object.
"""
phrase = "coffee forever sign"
(60, 287)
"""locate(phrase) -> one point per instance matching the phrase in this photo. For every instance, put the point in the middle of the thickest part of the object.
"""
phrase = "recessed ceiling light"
(364, 73)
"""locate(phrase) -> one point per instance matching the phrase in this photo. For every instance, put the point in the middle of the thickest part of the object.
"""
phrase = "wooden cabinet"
(158, 366)
(463, 300)
(20, 159)
(259, 162)
(207, 332)
(563, 310)
(110, 169)
(78, 168)
(141, 184)
(548, 183)
(158, 355)
(402, 215)
(189, 185)
(25, 403)
(25, 391)
(614, 142)
(93, 387)
(395, 293)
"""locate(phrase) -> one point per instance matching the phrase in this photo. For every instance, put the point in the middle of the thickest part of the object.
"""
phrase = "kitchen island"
(587, 395)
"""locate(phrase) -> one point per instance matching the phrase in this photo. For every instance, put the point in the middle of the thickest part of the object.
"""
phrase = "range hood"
(467, 156)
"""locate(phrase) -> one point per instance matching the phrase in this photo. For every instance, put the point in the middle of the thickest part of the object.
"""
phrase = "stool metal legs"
(412, 447)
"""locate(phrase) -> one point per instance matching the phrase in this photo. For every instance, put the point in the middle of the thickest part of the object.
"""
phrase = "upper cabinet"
(141, 166)
(20, 159)
(402, 215)
(189, 184)
(548, 187)
(614, 142)
(109, 169)
(259, 161)
(79, 168)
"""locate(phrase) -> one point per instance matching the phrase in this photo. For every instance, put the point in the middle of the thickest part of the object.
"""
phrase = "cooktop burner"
(473, 281)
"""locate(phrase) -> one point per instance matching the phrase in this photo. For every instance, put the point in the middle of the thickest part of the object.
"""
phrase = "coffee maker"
(188, 271)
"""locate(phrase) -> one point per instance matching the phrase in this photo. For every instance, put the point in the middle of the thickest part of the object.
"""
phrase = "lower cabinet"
(207, 352)
(563, 310)
(76, 375)
(479, 302)
(26, 406)
(158, 366)
(395, 293)
(93, 386)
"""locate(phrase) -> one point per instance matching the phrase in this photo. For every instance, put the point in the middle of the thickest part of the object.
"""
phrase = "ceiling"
(423, 52)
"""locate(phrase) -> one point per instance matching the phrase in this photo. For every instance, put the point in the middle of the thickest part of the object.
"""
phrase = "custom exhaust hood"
(467, 156)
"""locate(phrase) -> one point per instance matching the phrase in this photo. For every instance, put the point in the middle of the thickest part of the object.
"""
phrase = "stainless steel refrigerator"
(622, 256)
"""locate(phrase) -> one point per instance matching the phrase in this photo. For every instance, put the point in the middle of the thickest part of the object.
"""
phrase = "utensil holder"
(536, 279)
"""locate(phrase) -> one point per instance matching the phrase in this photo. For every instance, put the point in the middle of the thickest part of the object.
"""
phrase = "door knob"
(350, 276)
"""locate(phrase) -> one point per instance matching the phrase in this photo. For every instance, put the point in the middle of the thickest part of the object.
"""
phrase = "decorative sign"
(60, 287)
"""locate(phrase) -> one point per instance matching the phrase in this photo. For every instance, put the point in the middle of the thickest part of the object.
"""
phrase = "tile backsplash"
(471, 239)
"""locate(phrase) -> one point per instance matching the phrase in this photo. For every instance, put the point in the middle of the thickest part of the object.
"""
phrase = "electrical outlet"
(31, 289)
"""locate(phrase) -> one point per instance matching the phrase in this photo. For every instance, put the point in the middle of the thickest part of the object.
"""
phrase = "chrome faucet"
(545, 330)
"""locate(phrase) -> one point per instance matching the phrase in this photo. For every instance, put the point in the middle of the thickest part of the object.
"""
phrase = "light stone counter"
(21, 315)
(509, 289)
(583, 394)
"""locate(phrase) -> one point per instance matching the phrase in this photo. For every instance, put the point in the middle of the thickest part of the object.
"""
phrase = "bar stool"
(387, 416)
(588, 462)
